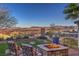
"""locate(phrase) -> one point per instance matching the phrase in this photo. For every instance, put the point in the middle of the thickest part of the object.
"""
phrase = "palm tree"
(72, 12)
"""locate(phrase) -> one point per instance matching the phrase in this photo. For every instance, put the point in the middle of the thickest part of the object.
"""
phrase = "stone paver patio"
(74, 52)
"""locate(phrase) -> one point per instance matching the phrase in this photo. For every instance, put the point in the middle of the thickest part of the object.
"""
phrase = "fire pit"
(53, 50)
(50, 46)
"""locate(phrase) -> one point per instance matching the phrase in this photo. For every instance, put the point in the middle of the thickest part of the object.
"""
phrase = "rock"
(32, 42)
(7, 51)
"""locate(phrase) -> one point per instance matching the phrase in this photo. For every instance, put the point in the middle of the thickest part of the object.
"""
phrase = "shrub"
(70, 42)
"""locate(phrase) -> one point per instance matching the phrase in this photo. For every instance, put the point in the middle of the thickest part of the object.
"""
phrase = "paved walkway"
(74, 52)
(3, 42)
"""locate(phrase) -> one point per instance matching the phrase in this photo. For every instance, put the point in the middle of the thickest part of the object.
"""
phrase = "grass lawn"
(3, 47)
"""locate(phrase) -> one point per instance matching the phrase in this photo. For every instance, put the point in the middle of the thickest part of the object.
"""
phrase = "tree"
(52, 27)
(72, 12)
(6, 21)
(50, 34)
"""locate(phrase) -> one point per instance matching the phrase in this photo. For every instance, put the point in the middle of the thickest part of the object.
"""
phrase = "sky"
(30, 14)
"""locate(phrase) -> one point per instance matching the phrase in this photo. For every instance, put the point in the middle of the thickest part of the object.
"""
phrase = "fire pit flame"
(52, 46)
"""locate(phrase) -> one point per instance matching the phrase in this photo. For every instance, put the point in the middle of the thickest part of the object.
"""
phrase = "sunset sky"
(38, 14)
